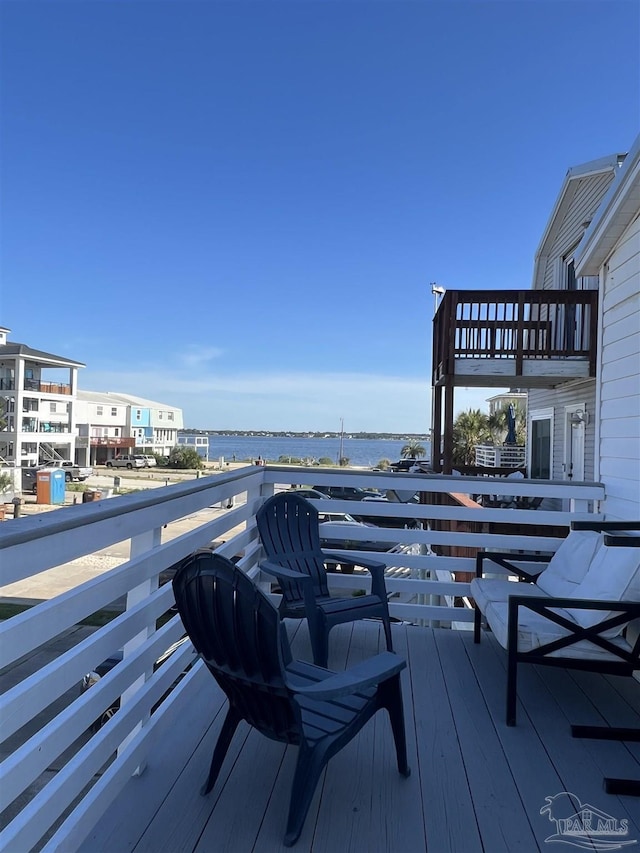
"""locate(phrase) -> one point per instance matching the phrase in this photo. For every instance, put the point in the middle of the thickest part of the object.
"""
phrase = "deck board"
(449, 821)
(534, 779)
(476, 784)
(497, 804)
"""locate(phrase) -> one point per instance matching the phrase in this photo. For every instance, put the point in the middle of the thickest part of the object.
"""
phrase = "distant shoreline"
(368, 436)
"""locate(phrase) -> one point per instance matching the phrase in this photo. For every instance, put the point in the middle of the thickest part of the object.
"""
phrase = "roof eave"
(615, 213)
(567, 190)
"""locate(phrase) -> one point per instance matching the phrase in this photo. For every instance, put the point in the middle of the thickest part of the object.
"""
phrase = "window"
(541, 445)
(52, 407)
(571, 328)
(160, 415)
(99, 410)
(114, 412)
(170, 416)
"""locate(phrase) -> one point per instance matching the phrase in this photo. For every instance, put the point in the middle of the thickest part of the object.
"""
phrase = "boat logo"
(584, 825)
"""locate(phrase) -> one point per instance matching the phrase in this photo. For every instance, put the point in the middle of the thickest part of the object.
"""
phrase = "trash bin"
(91, 495)
(50, 487)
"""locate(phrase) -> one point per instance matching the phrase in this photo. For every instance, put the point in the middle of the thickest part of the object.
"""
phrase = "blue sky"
(238, 208)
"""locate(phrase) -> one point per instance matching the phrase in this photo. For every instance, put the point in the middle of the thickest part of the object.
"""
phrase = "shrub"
(184, 457)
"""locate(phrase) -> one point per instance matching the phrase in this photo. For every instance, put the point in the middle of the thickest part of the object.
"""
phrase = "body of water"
(359, 451)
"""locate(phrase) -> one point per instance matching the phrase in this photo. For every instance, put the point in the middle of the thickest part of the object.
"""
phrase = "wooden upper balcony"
(528, 338)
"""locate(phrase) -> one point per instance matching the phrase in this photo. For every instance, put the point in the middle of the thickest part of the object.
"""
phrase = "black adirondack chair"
(288, 527)
(239, 635)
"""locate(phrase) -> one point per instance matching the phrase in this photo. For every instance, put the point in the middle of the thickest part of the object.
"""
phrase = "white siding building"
(561, 423)
(118, 423)
(102, 424)
(37, 405)
(610, 250)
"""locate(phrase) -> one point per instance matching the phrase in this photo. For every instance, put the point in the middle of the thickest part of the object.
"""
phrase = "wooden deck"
(476, 785)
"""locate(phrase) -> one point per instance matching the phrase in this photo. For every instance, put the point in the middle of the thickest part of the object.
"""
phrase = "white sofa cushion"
(614, 575)
(570, 563)
(534, 630)
(485, 590)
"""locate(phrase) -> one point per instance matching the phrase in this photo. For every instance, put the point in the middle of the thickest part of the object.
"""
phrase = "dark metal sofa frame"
(626, 662)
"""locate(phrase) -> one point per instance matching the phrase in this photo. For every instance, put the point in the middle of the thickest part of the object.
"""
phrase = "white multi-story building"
(116, 423)
(37, 405)
(103, 425)
(501, 401)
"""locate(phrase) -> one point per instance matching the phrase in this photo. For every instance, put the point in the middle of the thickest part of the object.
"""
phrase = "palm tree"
(469, 428)
(413, 450)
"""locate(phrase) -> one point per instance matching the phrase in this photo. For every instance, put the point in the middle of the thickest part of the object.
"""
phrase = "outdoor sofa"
(578, 609)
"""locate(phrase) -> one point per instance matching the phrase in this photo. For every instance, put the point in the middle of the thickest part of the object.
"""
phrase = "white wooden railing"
(64, 809)
(501, 456)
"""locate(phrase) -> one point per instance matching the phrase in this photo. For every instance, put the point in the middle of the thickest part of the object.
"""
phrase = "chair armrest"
(605, 526)
(341, 557)
(505, 560)
(310, 606)
(359, 677)
(282, 572)
(375, 569)
(621, 541)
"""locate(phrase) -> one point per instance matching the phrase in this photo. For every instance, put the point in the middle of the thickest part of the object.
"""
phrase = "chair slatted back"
(238, 633)
(288, 527)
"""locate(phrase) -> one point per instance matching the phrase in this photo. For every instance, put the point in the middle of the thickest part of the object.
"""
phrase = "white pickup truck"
(71, 470)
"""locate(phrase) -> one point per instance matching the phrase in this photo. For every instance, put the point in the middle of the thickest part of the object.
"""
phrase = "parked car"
(347, 493)
(29, 480)
(335, 516)
(416, 465)
(342, 541)
(402, 465)
(126, 460)
(311, 494)
(390, 521)
(149, 460)
(30, 477)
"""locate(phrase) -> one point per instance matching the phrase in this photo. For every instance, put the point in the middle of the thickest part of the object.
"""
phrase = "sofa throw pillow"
(614, 575)
(570, 563)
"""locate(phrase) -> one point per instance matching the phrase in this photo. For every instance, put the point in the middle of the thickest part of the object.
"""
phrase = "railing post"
(520, 334)
(448, 426)
(593, 331)
(436, 436)
(140, 544)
